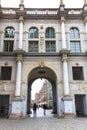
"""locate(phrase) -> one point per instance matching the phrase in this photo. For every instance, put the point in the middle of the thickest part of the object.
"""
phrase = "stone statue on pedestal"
(61, 1)
(21, 1)
(85, 1)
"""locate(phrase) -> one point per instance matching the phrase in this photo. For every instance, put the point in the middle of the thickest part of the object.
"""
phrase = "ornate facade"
(43, 43)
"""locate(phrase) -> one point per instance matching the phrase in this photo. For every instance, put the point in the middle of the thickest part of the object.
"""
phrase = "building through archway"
(47, 73)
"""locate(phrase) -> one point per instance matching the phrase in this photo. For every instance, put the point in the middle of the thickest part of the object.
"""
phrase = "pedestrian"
(34, 109)
(44, 109)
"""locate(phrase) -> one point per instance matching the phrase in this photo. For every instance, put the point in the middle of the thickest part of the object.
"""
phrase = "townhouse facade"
(43, 43)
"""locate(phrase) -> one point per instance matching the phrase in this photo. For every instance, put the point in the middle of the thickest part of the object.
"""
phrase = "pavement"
(44, 122)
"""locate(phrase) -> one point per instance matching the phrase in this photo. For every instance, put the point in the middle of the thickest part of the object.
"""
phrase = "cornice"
(28, 54)
(36, 15)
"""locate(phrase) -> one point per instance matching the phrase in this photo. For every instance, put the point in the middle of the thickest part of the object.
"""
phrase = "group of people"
(35, 106)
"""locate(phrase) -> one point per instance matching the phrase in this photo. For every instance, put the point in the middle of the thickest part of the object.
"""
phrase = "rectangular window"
(6, 73)
(8, 46)
(75, 46)
(50, 46)
(33, 46)
(77, 73)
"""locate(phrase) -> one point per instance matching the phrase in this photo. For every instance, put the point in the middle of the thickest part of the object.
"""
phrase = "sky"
(36, 86)
(42, 3)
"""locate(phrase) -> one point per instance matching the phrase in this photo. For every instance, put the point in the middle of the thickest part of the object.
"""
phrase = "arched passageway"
(42, 72)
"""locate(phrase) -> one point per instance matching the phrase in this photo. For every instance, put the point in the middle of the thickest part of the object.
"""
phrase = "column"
(63, 33)
(20, 32)
(86, 27)
(64, 58)
(65, 75)
(18, 76)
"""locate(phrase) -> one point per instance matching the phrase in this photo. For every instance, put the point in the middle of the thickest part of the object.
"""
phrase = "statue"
(21, 1)
(85, 1)
(61, 2)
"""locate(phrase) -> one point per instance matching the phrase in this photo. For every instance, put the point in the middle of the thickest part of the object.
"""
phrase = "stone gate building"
(43, 43)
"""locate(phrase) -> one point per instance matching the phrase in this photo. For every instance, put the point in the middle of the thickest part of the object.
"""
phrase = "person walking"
(44, 109)
(34, 109)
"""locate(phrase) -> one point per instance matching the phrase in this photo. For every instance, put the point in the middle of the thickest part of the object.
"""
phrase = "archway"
(42, 72)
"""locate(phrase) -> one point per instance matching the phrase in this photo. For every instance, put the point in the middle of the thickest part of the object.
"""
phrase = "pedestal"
(68, 106)
(18, 108)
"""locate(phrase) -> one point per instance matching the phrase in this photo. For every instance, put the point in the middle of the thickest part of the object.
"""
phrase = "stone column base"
(68, 106)
(18, 108)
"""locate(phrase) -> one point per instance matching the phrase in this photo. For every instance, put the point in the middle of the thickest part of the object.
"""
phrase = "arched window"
(50, 32)
(33, 32)
(33, 45)
(50, 43)
(75, 45)
(9, 32)
(74, 33)
(8, 39)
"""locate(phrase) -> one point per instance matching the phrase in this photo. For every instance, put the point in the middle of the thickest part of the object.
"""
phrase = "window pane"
(77, 73)
(9, 32)
(50, 46)
(6, 73)
(50, 33)
(33, 32)
(8, 46)
(74, 33)
(33, 46)
(75, 46)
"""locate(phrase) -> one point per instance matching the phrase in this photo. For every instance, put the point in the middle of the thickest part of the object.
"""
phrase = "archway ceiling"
(42, 72)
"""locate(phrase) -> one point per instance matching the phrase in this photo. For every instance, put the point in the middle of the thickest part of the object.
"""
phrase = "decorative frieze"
(41, 38)
(21, 1)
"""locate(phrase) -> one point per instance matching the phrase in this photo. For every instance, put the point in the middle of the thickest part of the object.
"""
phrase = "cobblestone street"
(44, 123)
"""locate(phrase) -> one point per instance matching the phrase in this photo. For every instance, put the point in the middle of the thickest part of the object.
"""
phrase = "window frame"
(51, 49)
(75, 46)
(8, 42)
(77, 73)
(50, 32)
(9, 32)
(75, 42)
(9, 71)
(32, 34)
(34, 49)
(8, 46)
(74, 33)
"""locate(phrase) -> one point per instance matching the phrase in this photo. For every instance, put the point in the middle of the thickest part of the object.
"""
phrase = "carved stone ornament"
(64, 58)
(19, 57)
(61, 1)
(85, 1)
(21, 1)
(41, 63)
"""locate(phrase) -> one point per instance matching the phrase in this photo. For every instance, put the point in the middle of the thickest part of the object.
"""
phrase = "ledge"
(29, 54)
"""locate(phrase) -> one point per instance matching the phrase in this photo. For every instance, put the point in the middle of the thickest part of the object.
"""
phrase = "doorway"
(80, 104)
(42, 73)
(4, 105)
